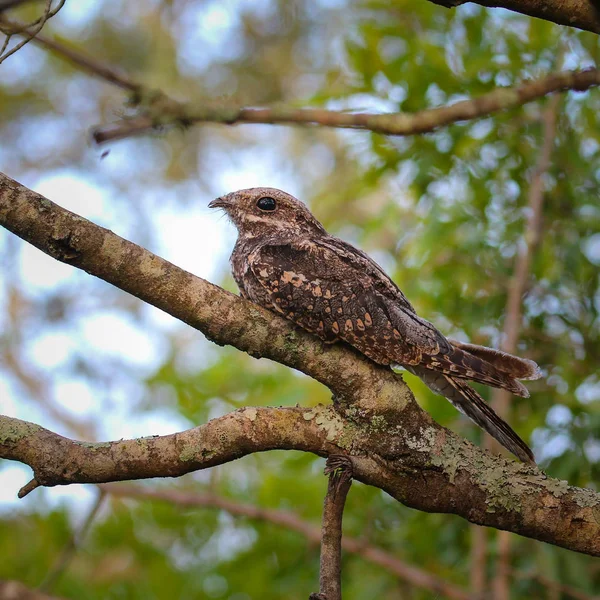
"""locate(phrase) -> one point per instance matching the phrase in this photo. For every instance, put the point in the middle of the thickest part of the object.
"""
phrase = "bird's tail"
(470, 403)
(518, 368)
(485, 365)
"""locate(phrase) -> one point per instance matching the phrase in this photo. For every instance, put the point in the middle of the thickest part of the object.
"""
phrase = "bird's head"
(264, 210)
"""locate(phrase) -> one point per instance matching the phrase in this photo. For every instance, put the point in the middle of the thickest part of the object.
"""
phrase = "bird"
(285, 261)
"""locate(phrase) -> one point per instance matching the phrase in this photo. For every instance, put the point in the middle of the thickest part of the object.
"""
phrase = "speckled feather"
(285, 261)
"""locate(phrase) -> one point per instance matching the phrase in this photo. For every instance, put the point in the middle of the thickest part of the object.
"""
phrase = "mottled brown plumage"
(285, 261)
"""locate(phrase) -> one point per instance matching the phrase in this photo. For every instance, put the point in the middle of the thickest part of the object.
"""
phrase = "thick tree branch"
(57, 460)
(439, 473)
(583, 14)
(394, 444)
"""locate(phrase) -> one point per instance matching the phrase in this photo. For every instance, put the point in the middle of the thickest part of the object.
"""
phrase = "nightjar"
(285, 261)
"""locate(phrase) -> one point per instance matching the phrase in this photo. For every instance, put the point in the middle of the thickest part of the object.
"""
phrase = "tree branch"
(57, 460)
(171, 113)
(583, 14)
(394, 444)
(85, 62)
(30, 30)
(158, 111)
(339, 469)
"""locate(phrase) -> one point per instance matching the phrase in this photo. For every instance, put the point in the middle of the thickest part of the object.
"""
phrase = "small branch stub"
(28, 487)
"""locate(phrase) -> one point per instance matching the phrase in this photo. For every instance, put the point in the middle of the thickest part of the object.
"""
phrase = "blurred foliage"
(444, 213)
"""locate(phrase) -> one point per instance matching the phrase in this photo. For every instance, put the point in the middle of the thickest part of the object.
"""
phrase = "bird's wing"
(331, 289)
(464, 361)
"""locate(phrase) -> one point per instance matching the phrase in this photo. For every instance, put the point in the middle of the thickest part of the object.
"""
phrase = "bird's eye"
(266, 203)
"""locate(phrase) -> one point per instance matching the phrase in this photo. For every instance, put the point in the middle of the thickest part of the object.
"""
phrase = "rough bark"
(394, 444)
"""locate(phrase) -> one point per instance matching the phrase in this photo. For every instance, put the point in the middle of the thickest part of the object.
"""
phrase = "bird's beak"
(222, 202)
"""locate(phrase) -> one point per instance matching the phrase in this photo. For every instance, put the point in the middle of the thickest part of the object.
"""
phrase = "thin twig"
(5, 44)
(32, 30)
(171, 113)
(339, 469)
(533, 232)
(478, 571)
(81, 60)
(31, 485)
(70, 549)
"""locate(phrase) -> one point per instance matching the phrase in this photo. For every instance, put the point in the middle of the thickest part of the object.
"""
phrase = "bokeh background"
(444, 213)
